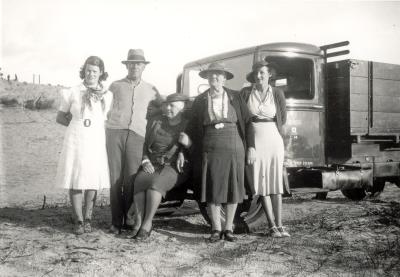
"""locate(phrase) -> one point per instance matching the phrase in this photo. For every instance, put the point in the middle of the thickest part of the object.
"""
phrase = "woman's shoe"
(228, 235)
(132, 234)
(142, 235)
(78, 228)
(87, 226)
(114, 230)
(283, 232)
(274, 232)
(216, 235)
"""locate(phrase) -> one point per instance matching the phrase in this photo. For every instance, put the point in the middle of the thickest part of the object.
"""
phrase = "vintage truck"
(343, 117)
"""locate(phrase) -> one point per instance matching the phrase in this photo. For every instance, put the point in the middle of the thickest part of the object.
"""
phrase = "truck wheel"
(239, 223)
(204, 210)
(355, 194)
(377, 188)
(321, 195)
(169, 207)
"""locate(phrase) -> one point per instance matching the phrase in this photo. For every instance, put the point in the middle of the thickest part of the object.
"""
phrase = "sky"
(54, 37)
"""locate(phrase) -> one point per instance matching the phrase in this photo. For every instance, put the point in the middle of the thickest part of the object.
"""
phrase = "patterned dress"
(83, 161)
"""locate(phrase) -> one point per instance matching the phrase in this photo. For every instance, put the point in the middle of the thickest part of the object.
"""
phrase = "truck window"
(193, 84)
(294, 75)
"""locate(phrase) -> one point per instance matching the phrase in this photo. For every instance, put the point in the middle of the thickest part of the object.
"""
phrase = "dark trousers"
(124, 149)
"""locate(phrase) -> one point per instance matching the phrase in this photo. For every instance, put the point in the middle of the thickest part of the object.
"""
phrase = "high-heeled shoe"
(87, 226)
(228, 236)
(216, 235)
(283, 231)
(78, 228)
(142, 235)
(274, 232)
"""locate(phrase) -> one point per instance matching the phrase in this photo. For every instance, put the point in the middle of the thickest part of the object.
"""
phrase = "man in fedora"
(134, 102)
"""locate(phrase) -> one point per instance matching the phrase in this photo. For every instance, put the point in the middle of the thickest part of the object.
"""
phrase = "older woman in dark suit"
(221, 132)
(267, 105)
(160, 171)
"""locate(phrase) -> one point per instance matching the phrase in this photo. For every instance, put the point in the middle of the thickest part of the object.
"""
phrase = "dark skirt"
(223, 161)
(162, 180)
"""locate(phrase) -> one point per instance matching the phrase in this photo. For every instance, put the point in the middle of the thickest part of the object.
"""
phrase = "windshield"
(294, 75)
(193, 84)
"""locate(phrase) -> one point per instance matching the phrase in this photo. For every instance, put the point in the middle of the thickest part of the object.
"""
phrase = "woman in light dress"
(83, 164)
(267, 104)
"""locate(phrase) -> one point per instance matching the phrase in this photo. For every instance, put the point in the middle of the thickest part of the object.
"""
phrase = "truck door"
(301, 78)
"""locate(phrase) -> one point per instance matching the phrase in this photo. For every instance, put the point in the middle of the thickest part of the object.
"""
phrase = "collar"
(130, 81)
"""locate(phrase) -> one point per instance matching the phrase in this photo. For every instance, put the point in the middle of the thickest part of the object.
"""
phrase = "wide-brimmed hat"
(135, 56)
(216, 66)
(256, 66)
(174, 97)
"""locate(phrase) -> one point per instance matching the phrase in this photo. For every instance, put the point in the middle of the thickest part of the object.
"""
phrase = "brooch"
(219, 125)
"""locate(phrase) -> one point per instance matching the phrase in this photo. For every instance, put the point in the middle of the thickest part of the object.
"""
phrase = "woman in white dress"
(83, 164)
(267, 104)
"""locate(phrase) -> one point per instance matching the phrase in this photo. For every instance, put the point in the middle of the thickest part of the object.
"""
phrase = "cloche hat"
(174, 97)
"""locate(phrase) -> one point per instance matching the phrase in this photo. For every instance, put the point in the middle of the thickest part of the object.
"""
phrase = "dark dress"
(219, 154)
(223, 162)
(160, 139)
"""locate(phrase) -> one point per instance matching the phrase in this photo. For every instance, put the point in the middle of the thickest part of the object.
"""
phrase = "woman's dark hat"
(216, 66)
(176, 97)
(135, 56)
(256, 66)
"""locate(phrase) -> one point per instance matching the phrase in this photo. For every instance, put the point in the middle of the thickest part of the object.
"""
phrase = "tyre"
(321, 195)
(205, 212)
(377, 188)
(169, 207)
(356, 194)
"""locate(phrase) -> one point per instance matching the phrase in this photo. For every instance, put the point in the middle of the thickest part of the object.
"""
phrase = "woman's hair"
(94, 60)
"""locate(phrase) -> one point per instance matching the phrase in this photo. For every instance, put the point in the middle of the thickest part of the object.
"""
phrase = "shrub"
(8, 101)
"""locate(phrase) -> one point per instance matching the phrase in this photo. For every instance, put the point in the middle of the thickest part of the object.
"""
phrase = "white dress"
(83, 161)
(266, 172)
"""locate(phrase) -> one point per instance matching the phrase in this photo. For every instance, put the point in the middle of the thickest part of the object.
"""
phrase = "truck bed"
(363, 106)
(363, 98)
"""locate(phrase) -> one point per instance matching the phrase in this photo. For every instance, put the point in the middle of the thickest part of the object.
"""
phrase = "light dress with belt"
(222, 154)
(83, 162)
(266, 173)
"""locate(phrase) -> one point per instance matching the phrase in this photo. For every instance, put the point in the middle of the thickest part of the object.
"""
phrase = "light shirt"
(262, 108)
(130, 103)
(217, 107)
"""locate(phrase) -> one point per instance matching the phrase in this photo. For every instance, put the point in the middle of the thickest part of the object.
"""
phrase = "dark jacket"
(152, 128)
(280, 103)
(195, 128)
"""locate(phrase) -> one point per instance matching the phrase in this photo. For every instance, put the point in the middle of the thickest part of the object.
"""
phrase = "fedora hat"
(174, 97)
(135, 56)
(216, 66)
(256, 66)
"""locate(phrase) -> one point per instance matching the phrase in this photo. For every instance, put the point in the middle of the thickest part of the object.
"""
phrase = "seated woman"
(159, 172)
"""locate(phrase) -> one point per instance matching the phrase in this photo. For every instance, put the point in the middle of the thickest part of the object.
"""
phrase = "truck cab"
(299, 73)
(337, 135)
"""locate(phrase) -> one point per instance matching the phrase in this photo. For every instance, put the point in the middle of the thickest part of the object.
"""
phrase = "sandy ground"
(334, 237)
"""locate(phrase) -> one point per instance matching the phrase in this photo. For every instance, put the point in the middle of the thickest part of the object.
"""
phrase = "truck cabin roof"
(292, 47)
